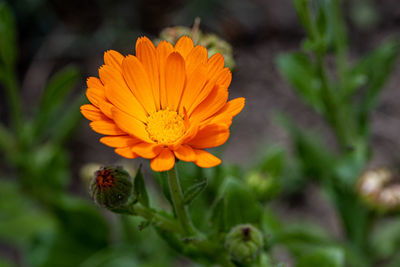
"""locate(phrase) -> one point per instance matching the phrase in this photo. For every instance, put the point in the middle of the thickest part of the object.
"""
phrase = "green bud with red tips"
(111, 187)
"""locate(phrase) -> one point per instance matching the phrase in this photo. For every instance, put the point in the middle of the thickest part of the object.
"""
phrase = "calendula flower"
(164, 103)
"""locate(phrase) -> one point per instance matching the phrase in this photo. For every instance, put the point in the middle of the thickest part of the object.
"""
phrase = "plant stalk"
(177, 200)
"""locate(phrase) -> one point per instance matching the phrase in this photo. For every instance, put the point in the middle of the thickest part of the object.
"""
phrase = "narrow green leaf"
(218, 215)
(375, 68)
(192, 192)
(58, 87)
(139, 189)
(301, 73)
(55, 98)
(67, 121)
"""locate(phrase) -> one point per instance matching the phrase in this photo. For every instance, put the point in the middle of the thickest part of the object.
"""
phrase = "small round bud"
(111, 187)
(380, 189)
(244, 243)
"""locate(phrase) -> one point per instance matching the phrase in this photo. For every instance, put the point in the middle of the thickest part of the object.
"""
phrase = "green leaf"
(139, 189)
(218, 215)
(67, 122)
(316, 159)
(192, 192)
(55, 99)
(323, 257)
(375, 68)
(7, 36)
(241, 204)
(301, 73)
(385, 239)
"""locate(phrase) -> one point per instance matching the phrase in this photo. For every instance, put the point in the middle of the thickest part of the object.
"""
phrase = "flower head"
(164, 103)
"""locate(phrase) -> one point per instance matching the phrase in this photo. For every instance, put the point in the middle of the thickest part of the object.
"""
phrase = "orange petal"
(94, 82)
(215, 63)
(213, 103)
(204, 93)
(92, 113)
(224, 78)
(210, 136)
(164, 161)
(125, 152)
(225, 114)
(205, 159)
(123, 99)
(184, 45)
(138, 81)
(106, 108)
(147, 150)
(110, 75)
(119, 141)
(194, 86)
(130, 125)
(146, 53)
(113, 59)
(163, 50)
(197, 56)
(95, 95)
(106, 127)
(185, 153)
(174, 79)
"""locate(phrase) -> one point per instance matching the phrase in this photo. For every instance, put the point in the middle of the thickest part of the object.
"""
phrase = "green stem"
(157, 219)
(177, 200)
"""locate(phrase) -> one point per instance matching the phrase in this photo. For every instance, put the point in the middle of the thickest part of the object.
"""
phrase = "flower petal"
(197, 56)
(163, 50)
(138, 81)
(106, 127)
(92, 113)
(174, 79)
(215, 64)
(185, 153)
(194, 86)
(205, 159)
(213, 103)
(147, 150)
(123, 99)
(126, 152)
(164, 161)
(130, 125)
(113, 59)
(184, 45)
(210, 136)
(94, 82)
(119, 141)
(146, 53)
(225, 114)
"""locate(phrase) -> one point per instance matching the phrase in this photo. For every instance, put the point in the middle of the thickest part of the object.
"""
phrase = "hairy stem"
(177, 200)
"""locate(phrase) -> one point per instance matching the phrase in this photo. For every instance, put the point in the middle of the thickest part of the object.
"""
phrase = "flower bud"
(244, 243)
(111, 187)
(380, 189)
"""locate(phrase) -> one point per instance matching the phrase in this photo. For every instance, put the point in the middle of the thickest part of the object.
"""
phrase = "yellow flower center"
(165, 126)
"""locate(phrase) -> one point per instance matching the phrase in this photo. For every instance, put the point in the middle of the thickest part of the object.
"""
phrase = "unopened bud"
(111, 187)
(380, 189)
(244, 243)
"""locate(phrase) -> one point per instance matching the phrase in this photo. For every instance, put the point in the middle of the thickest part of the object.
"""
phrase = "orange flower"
(163, 103)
